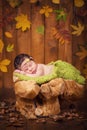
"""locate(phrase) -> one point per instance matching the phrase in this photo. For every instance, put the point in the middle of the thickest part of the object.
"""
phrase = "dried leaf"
(79, 3)
(77, 29)
(14, 3)
(10, 48)
(5, 62)
(85, 71)
(3, 65)
(60, 14)
(22, 22)
(40, 29)
(46, 10)
(62, 35)
(56, 1)
(3, 68)
(1, 45)
(83, 53)
(8, 34)
(33, 1)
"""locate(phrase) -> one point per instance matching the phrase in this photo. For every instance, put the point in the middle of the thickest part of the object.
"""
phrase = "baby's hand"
(19, 71)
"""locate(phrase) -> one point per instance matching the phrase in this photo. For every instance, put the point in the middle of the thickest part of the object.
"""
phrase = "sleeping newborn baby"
(25, 64)
(27, 69)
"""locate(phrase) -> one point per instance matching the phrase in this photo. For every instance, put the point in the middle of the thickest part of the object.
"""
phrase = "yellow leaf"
(3, 65)
(33, 1)
(46, 10)
(56, 1)
(46, 14)
(1, 45)
(8, 34)
(5, 62)
(22, 22)
(3, 68)
(77, 29)
(14, 3)
(79, 3)
(83, 53)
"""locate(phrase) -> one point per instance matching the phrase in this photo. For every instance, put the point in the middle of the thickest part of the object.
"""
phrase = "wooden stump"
(26, 107)
(28, 91)
(49, 107)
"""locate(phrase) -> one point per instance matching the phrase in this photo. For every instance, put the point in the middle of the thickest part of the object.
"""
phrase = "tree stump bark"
(48, 108)
(28, 91)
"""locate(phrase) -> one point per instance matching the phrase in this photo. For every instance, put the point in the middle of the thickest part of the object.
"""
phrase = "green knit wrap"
(39, 79)
(68, 71)
(61, 69)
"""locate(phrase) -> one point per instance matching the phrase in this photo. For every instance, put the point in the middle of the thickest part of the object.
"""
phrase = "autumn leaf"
(62, 35)
(3, 65)
(33, 1)
(22, 22)
(79, 3)
(14, 3)
(1, 45)
(8, 34)
(85, 71)
(77, 29)
(60, 14)
(40, 29)
(56, 1)
(46, 10)
(83, 53)
(10, 47)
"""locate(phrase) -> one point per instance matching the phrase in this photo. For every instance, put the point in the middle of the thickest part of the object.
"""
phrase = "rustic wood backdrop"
(44, 48)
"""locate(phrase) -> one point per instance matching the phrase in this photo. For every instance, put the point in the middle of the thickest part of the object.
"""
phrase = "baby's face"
(28, 66)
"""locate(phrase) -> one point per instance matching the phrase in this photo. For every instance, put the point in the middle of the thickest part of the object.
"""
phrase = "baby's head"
(19, 60)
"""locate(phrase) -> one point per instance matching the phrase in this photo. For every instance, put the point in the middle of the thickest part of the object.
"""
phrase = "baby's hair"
(19, 59)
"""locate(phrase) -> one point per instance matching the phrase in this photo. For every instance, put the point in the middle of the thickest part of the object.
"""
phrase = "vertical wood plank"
(8, 27)
(79, 41)
(51, 46)
(1, 35)
(65, 50)
(8, 77)
(37, 42)
(23, 38)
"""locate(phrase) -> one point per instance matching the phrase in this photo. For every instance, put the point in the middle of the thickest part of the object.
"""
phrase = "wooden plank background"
(43, 48)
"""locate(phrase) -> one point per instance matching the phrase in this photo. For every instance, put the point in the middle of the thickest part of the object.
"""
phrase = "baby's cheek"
(34, 66)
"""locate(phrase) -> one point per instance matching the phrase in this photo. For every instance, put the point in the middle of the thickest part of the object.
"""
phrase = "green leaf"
(10, 48)
(40, 29)
(61, 14)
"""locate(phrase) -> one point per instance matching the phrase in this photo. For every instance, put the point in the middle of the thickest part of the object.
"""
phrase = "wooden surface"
(43, 47)
(77, 123)
(32, 125)
(45, 123)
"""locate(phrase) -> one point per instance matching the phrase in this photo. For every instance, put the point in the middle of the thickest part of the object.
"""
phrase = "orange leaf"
(1, 45)
(83, 53)
(62, 35)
